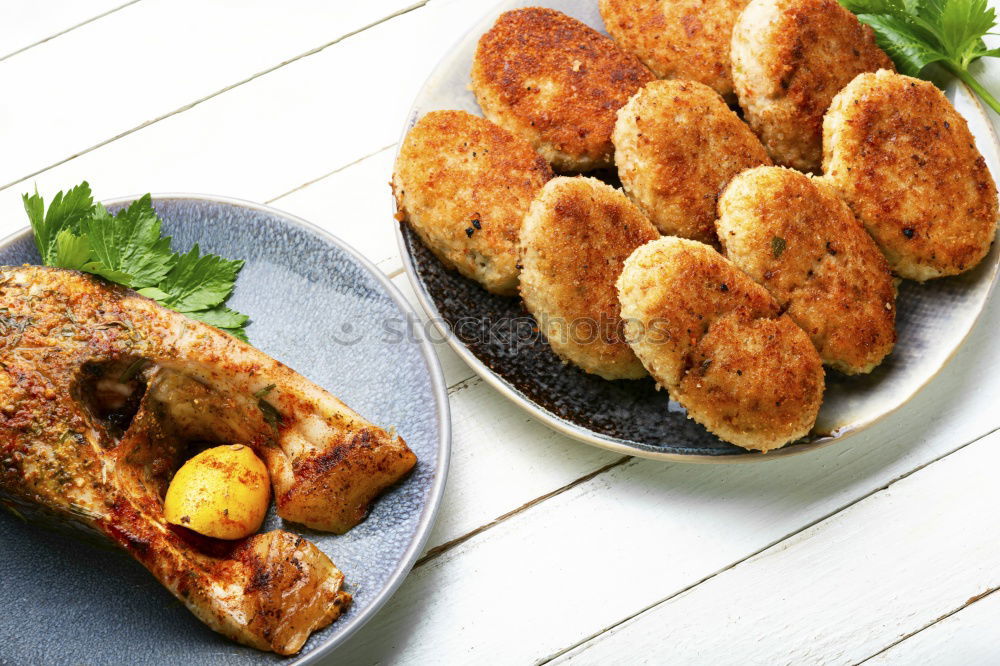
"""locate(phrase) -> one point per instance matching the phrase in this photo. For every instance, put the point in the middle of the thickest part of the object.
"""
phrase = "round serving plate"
(496, 336)
(318, 306)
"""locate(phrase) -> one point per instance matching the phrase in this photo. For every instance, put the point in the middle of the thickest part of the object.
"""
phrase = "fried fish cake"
(678, 39)
(677, 146)
(715, 340)
(906, 163)
(799, 240)
(464, 184)
(790, 57)
(576, 236)
(556, 82)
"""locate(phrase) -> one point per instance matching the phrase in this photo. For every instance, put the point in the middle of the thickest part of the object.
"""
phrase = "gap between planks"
(67, 30)
(820, 519)
(390, 274)
(205, 98)
(436, 551)
(968, 603)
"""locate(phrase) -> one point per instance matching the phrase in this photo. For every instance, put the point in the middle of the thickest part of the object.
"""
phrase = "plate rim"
(586, 436)
(430, 510)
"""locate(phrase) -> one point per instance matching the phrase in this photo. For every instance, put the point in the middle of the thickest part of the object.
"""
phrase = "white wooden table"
(884, 548)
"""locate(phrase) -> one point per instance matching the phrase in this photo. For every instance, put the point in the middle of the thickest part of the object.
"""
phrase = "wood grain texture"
(177, 54)
(842, 589)
(968, 636)
(27, 23)
(273, 134)
(355, 203)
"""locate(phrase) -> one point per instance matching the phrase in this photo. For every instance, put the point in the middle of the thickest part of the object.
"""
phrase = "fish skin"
(58, 455)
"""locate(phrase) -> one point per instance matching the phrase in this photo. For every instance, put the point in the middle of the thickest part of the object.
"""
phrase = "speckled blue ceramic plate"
(322, 309)
(630, 416)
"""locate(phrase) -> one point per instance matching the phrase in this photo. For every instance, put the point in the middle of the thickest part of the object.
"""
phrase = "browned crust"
(905, 161)
(790, 58)
(576, 238)
(798, 239)
(714, 338)
(556, 82)
(464, 184)
(678, 145)
(677, 39)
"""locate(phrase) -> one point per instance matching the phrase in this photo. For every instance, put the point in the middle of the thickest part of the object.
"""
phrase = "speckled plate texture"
(631, 417)
(320, 308)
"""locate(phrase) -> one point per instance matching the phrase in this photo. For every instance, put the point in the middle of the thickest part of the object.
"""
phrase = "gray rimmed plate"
(494, 335)
(321, 308)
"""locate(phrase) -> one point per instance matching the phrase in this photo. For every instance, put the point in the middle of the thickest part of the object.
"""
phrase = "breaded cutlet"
(798, 239)
(678, 39)
(576, 236)
(790, 57)
(904, 160)
(464, 184)
(677, 146)
(715, 340)
(556, 82)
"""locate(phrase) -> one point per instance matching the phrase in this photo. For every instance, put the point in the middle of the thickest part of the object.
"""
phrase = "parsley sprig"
(129, 249)
(916, 33)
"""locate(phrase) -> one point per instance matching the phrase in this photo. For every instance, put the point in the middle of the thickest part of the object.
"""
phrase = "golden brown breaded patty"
(464, 185)
(556, 82)
(714, 339)
(678, 39)
(677, 146)
(906, 163)
(575, 239)
(790, 57)
(794, 236)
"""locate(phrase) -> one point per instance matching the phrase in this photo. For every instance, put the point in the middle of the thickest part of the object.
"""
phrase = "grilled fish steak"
(103, 392)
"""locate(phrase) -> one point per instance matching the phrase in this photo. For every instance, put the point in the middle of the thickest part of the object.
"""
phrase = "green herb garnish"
(270, 413)
(777, 246)
(263, 393)
(916, 33)
(128, 248)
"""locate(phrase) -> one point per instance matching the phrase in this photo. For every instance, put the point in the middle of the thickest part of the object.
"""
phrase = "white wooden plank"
(566, 569)
(843, 589)
(354, 204)
(154, 57)
(503, 460)
(28, 22)
(966, 638)
(279, 131)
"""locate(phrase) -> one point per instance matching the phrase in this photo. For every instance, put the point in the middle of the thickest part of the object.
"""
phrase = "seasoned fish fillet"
(102, 392)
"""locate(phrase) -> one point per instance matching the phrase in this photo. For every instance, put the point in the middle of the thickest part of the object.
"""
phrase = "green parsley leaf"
(128, 249)
(199, 282)
(916, 33)
(66, 212)
(221, 317)
(71, 251)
